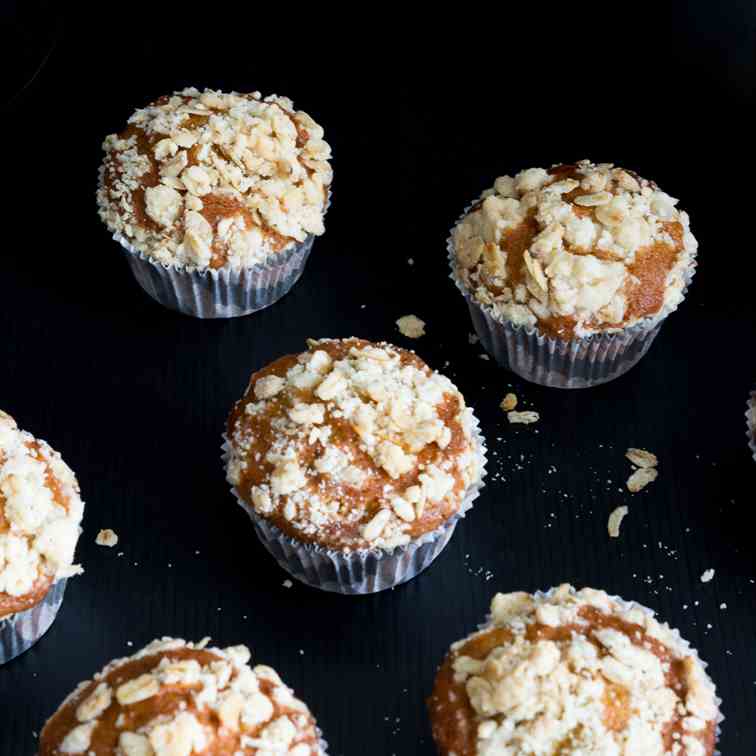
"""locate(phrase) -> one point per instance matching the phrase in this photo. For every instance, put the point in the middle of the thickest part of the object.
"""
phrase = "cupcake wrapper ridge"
(221, 293)
(20, 631)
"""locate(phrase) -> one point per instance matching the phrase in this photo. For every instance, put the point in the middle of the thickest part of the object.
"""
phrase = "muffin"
(354, 460)
(571, 672)
(175, 698)
(40, 514)
(751, 422)
(569, 272)
(216, 198)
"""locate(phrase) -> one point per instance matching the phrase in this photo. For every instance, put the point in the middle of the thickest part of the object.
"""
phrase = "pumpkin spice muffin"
(40, 513)
(573, 672)
(355, 460)
(175, 698)
(216, 198)
(568, 272)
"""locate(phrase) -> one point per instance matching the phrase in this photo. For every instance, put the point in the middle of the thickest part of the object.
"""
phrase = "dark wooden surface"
(135, 396)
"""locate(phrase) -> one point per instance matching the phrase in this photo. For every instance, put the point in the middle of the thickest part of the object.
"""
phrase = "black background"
(421, 116)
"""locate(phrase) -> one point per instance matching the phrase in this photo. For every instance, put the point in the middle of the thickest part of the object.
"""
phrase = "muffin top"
(575, 249)
(213, 180)
(352, 445)
(40, 512)
(572, 673)
(175, 698)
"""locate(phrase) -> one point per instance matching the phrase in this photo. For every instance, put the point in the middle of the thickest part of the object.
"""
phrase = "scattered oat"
(287, 583)
(509, 402)
(723, 606)
(524, 418)
(642, 458)
(472, 338)
(641, 478)
(615, 520)
(107, 537)
(410, 261)
(411, 326)
(484, 357)
(707, 576)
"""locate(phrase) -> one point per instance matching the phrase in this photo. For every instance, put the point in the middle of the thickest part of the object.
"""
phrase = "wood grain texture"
(135, 397)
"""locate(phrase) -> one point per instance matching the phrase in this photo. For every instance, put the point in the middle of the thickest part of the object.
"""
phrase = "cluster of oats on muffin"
(210, 179)
(40, 516)
(573, 672)
(353, 445)
(575, 249)
(175, 698)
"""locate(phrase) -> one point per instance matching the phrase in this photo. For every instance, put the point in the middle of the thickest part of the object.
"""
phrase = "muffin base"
(751, 423)
(221, 293)
(364, 570)
(580, 362)
(20, 631)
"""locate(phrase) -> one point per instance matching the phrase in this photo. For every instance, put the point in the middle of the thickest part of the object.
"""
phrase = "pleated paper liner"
(221, 293)
(20, 631)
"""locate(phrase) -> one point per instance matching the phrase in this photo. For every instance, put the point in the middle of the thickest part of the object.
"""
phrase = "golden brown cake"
(352, 445)
(575, 249)
(214, 180)
(572, 673)
(175, 698)
(40, 513)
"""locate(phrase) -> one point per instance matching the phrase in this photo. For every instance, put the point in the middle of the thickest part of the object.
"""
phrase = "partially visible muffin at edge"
(40, 516)
(175, 698)
(352, 445)
(213, 180)
(575, 249)
(573, 672)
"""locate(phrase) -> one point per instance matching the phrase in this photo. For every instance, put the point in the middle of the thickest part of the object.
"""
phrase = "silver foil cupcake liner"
(751, 423)
(365, 570)
(581, 362)
(20, 631)
(322, 744)
(221, 293)
(651, 613)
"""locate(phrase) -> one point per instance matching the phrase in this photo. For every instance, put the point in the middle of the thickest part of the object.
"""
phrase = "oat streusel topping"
(40, 514)
(573, 673)
(175, 698)
(575, 249)
(211, 180)
(353, 445)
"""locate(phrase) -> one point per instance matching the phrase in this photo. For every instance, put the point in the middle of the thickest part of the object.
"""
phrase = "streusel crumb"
(353, 445)
(575, 249)
(212, 180)
(573, 672)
